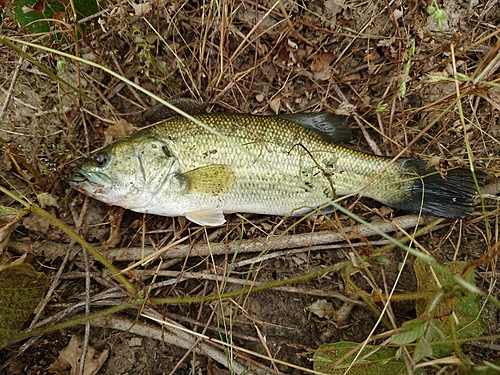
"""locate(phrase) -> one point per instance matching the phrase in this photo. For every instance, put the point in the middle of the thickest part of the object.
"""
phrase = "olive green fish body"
(270, 165)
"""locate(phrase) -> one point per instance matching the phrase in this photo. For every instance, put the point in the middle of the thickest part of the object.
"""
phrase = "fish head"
(127, 173)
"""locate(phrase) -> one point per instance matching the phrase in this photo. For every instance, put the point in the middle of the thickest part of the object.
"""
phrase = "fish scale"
(273, 165)
(256, 185)
(284, 146)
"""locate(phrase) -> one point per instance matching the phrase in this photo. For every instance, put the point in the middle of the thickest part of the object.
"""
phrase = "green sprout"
(438, 14)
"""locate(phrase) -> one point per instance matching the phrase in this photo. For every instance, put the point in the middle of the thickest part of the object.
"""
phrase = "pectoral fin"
(211, 217)
(211, 179)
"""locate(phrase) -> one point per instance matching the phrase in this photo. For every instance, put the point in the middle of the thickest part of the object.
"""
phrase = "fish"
(287, 164)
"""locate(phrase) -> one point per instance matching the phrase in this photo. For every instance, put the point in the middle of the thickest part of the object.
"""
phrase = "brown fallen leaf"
(212, 369)
(323, 60)
(322, 308)
(434, 161)
(115, 234)
(118, 130)
(61, 16)
(39, 7)
(69, 357)
(275, 105)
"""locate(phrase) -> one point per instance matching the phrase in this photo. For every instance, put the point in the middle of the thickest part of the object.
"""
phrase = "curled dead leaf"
(69, 357)
(115, 234)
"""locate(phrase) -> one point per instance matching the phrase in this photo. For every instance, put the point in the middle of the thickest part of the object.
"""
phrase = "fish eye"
(101, 159)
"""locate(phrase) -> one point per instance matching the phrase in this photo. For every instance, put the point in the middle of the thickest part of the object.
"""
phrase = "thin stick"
(295, 241)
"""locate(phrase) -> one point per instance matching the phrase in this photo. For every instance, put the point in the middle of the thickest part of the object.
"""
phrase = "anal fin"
(210, 217)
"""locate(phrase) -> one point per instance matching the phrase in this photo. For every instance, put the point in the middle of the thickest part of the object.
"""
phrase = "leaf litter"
(347, 57)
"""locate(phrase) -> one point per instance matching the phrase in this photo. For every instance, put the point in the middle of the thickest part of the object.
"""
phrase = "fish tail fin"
(448, 194)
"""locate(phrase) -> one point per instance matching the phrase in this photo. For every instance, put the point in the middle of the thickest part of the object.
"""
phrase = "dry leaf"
(323, 75)
(286, 54)
(115, 234)
(300, 258)
(292, 44)
(334, 7)
(435, 161)
(275, 105)
(386, 211)
(9, 219)
(398, 13)
(345, 109)
(282, 56)
(37, 224)
(39, 7)
(142, 9)
(27, 9)
(317, 65)
(322, 308)
(135, 341)
(70, 356)
(17, 367)
(20, 260)
(118, 130)
(181, 220)
(46, 199)
(327, 57)
(212, 369)
(346, 22)
(60, 16)
(386, 42)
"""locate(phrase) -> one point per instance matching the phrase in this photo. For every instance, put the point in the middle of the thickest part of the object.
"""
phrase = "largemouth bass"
(275, 165)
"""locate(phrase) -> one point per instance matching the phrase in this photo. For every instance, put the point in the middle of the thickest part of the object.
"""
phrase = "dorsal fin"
(160, 112)
(330, 127)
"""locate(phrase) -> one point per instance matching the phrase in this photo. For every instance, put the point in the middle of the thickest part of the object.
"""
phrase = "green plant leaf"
(411, 331)
(40, 16)
(454, 300)
(434, 334)
(383, 361)
(5, 211)
(21, 289)
(485, 368)
(32, 14)
(382, 108)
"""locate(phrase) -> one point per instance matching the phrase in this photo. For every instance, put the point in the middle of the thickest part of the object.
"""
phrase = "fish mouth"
(95, 185)
(79, 178)
(83, 180)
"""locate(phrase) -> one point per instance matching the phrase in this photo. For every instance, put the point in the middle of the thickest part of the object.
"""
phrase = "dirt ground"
(391, 67)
